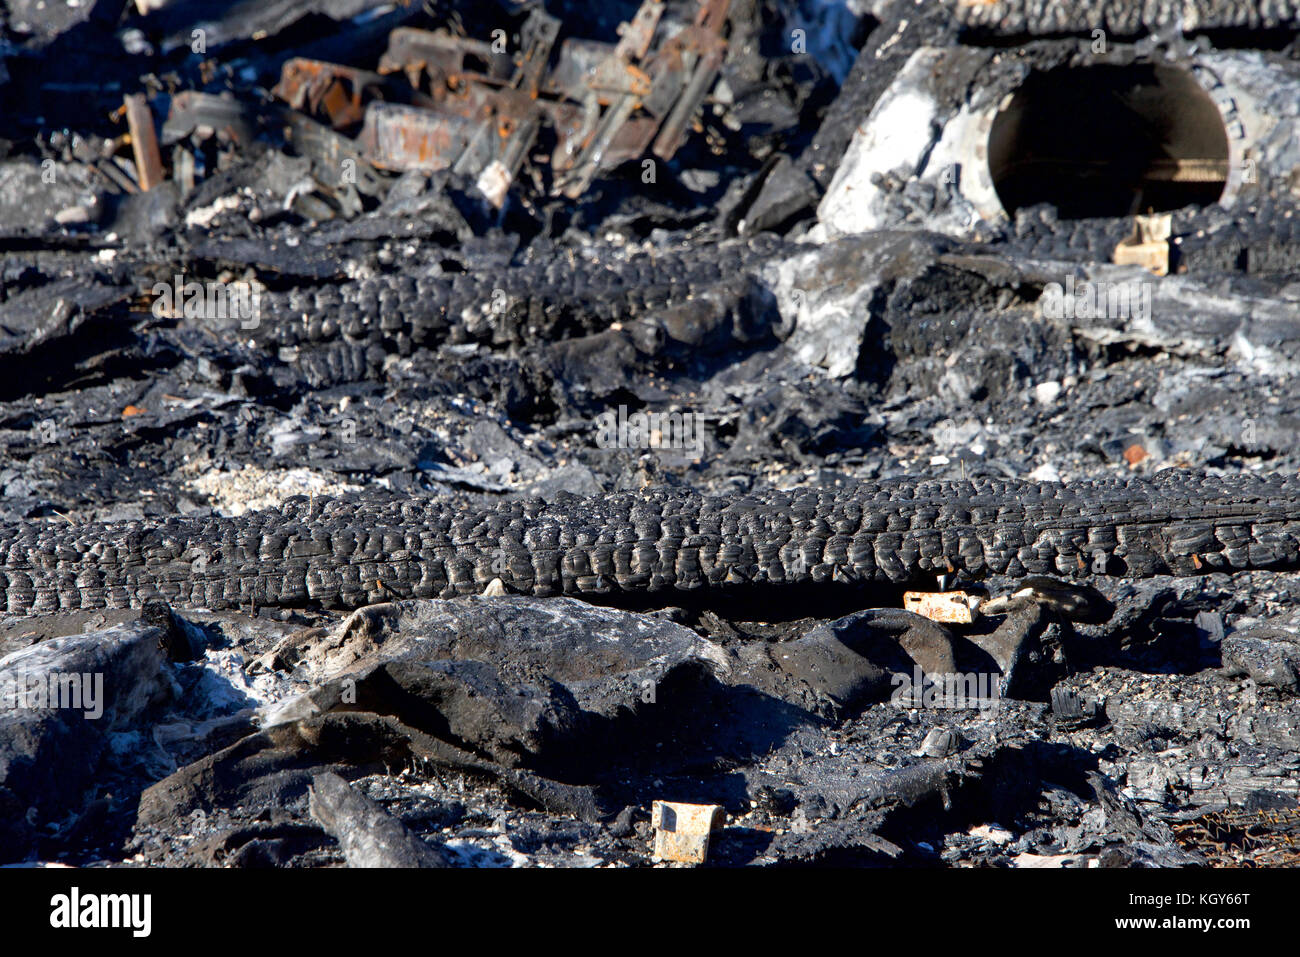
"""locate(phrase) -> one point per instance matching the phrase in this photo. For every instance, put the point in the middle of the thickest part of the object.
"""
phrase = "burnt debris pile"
(724, 431)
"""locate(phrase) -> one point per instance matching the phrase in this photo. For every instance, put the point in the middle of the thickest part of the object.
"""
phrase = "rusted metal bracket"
(689, 63)
(538, 38)
(474, 108)
(591, 97)
(436, 59)
(327, 91)
(618, 84)
(480, 111)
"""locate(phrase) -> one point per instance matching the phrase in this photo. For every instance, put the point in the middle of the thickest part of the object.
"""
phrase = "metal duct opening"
(1109, 141)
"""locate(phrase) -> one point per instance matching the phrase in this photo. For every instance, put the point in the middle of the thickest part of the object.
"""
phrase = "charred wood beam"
(1013, 18)
(346, 553)
(559, 296)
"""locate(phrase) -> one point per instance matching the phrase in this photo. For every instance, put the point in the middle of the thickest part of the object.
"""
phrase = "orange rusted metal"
(682, 831)
(396, 136)
(328, 91)
(475, 107)
(144, 141)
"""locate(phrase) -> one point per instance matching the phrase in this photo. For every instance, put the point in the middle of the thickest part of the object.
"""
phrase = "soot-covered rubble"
(856, 264)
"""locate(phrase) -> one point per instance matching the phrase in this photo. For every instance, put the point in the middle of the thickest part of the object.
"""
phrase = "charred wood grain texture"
(1121, 17)
(567, 294)
(346, 553)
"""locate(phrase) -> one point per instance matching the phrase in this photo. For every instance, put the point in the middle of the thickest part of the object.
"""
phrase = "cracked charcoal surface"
(343, 554)
(563, 294)
(1123, 17)
(274, 538)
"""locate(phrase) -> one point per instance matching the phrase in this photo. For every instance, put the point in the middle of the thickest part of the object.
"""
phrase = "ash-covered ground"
(883, 244)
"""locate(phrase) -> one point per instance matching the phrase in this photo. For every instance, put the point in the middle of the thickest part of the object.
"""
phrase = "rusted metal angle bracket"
(697, 50)
(327, 91)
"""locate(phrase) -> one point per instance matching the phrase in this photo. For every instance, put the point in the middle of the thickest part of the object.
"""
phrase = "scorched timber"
(559, 296)
(346, 553)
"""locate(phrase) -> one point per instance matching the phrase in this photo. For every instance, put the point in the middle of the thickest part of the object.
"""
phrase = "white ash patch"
(226, 686)
(204, 215)
(498, 852)
(251, 488)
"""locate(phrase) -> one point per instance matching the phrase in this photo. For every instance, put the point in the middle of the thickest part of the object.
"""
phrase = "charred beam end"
(347, 553)
(368, 835)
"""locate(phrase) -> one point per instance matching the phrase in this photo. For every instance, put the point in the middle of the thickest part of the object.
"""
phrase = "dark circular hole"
(1109, 141)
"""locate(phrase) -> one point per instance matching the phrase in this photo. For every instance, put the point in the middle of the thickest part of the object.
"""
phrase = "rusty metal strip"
(538, 36)
(638, 34)
(144, 141)
(698, 51)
